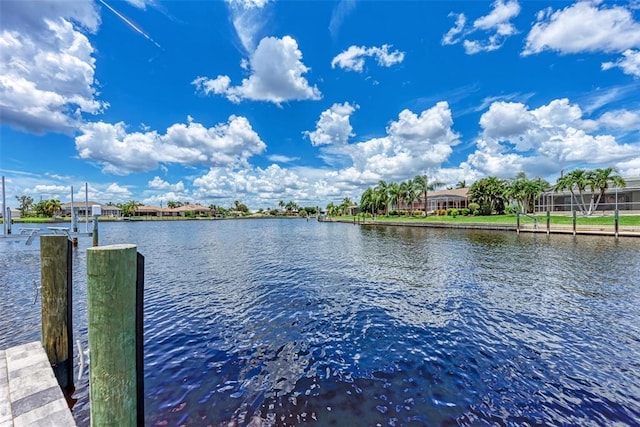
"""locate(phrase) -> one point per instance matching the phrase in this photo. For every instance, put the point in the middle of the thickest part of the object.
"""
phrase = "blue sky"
(310, 101)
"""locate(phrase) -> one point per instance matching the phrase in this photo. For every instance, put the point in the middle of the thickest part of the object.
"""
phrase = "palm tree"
(25, 202)
(461, 184)
(525, 191)
(382, 196)
(345, 205)
(423, 185)
(129, 208)
(281, 204)
(52, 207)
(599, 183)
(575, 180)
(410, 194)
(368, 201)
(395, 194)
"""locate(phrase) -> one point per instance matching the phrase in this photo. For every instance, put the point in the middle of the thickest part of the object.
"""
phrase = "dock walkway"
(29, 392)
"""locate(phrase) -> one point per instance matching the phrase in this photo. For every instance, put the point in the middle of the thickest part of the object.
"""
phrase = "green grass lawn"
(625, 220)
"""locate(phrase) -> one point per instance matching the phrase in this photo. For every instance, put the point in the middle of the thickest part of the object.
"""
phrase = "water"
(285, 322)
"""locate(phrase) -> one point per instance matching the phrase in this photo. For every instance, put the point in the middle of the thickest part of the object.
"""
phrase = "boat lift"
(30, 233)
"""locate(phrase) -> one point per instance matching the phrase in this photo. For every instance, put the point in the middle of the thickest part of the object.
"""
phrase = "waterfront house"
(626, 199)
(81, 209)
(440, 199)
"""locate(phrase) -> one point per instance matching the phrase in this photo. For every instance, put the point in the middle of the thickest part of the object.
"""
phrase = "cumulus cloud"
(541, 141)
(412, 144)
(158, 183)
(47, 65)
(277, 75)
(620, 119)
(353, 58)
(586, 26)
(333, 127)
(120, 152)
(496, 26)
(629, 63)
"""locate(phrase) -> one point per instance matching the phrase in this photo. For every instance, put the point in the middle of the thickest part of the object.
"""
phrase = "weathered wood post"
(518, 222)
(616, 223)
(96, 211)
(573, 212)
(548, 221)
(115, 335)
(57, 331)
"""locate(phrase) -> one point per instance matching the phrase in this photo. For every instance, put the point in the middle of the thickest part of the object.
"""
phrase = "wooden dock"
(29, 392)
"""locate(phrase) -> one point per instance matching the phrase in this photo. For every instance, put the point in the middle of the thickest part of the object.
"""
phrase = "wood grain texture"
(111, 288)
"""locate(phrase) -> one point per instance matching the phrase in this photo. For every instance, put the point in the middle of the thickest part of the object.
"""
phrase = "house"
(81, 209)
(625, 199)
(441, 199)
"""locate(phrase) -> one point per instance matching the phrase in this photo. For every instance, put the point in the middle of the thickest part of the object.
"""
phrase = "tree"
(461, 184)
(409, 194)
(25, 204)
(395, 194)
(599, 183)
(575, 180)
(240, 207)
(368, 201)
(129, 208)
(345, 205)
(52, 207)
(281, 204)
(172, 204)
(489, 193)
(382, 196)
(525, 191)
(331, 209)
(423, 185)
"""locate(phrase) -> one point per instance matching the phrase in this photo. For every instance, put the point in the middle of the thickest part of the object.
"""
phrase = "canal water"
(286, 322)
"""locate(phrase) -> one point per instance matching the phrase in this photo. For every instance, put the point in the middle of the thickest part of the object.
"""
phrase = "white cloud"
(338, 15)
(333, 127)
(46, 65)
(279, 158)
(413, 144)
(158, 183)
(620, 119)
(451, 37)
(496, 25)
(276, 76)
(629, 63)
(541, 141)
(353, 58)
(248, 21)
(230, 143)
(629, 168)
(586, 26)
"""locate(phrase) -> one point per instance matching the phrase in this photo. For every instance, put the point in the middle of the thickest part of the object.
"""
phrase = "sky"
(309, 101)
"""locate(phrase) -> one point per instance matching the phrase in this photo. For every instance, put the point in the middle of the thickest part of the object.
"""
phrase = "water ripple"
(278, 323)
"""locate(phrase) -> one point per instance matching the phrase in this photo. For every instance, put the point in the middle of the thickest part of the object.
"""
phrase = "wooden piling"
(548, 221)
(518, 222)
(111, 289)
(57, 331)
(95, 231)
(574, 222)
(616, 223)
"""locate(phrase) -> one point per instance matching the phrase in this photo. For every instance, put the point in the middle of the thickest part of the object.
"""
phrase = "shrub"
(465, 211)
(441, 212)
(510, 210)
(394, 213)
(452, 212)
(418, 213)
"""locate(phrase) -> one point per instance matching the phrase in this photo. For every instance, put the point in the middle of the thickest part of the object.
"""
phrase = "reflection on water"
(274, 322)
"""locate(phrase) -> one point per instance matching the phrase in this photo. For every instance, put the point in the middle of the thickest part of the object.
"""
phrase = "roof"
(453, 193)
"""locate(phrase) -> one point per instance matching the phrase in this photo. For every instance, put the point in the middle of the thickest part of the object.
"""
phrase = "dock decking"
(29, 392)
